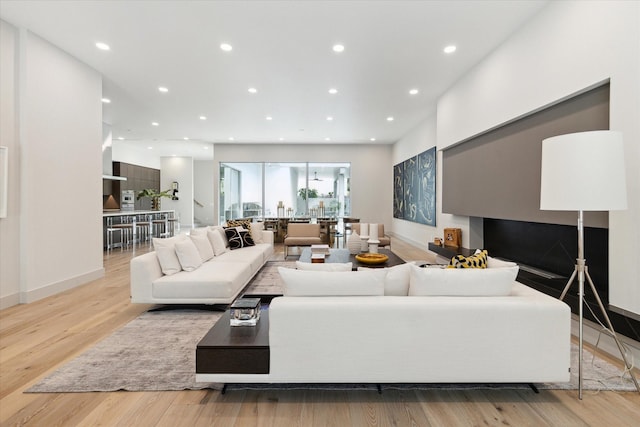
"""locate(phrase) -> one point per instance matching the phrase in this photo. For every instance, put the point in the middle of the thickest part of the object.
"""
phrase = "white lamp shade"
(583, 172)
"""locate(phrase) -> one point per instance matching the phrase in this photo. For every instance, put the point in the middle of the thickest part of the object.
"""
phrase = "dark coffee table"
(227, 349)
(343, 255)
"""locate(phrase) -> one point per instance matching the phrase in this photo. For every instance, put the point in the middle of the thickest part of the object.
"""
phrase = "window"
(255, 190)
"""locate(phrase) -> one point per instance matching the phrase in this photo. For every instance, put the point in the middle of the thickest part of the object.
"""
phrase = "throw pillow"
(188, 255)
(203, 245)
(217, 242)
(220, 229)
(256, 232)
(396, 282)
(305, 283)
(324, 266)
(244, 223)
(478, 260)
(238, 237)
(169, 262)
(461, 282)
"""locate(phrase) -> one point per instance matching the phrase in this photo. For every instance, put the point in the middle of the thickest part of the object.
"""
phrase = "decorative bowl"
(373, 259)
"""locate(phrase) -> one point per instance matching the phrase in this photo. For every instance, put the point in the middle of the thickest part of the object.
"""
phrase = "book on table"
(320, 249)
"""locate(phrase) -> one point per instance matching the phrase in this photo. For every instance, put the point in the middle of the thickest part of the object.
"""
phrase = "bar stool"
(126, 230)
(143, 227)
(160, 225)
(110, 230)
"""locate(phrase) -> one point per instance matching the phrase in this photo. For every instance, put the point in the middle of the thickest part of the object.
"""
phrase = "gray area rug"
(156, 351)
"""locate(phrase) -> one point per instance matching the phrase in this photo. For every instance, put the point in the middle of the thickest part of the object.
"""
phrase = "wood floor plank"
(37, 337)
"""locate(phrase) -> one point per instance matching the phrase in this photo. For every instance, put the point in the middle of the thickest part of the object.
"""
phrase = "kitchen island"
(122, 228)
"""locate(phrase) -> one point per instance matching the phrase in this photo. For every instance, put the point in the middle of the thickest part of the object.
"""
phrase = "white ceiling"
(284, 50)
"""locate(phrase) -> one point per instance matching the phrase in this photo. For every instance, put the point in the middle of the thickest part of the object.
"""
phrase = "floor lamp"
(584, 172)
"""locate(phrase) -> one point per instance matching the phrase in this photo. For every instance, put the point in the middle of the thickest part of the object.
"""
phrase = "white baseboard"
(591, 332)
(9, 301)
(57, 287)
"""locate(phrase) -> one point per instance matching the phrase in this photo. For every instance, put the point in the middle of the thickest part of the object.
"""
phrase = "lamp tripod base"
(581, 270)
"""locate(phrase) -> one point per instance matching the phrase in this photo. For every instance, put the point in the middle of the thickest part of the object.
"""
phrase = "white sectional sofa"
(172, 273)
(328, 328)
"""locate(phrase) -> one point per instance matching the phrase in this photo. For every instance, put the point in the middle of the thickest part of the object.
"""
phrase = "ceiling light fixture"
(186, 138)
(252, 90)
(327, 139)
(102, 46)
(231, 138)
(338, 48)
(281, 139)
(329, 118)
(413, 92)
(390, 119)
(450, 49)
(226, 47)
(269, 118)
(149, 148)
(155, 124)
(163, 89)
(203, 117)
(106, 101)
(121, 138)
(372, 139)
(333, 91)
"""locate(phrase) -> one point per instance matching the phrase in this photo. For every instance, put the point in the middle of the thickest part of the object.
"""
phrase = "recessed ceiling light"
(155, 124)
(226, 47)
(149, 148)
(390, 119)
(252, 90)
(106, 101)
(186, 138)
(121, 138)
(163, 89)
(338, 48)
(281, 139)
(450, 49)
(372, 139)
(205, 147)
(327, 139)
(329, 118)
(413, 92)
(269, 118)
(231, 138)
(333, 91)
(102, 46)
(203, 117)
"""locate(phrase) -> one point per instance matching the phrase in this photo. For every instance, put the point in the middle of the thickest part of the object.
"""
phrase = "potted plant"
(311, 192)
(154, 195)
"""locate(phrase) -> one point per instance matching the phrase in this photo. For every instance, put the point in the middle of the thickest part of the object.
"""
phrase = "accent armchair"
(301, 235)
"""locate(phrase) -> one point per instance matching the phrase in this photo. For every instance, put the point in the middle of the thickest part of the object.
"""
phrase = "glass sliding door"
(240, 191)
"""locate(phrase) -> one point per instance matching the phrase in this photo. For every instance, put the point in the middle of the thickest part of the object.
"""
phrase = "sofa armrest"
(144, 270)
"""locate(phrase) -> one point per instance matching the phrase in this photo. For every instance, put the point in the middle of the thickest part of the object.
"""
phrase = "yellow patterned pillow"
(246, 223)
(478, 260)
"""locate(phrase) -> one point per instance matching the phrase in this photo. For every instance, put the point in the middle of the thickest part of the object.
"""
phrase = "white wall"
(141, 155)
(10, 226)
(203, 185)
(371, 170)
(569, 47)
(60, 211)
(178, 169)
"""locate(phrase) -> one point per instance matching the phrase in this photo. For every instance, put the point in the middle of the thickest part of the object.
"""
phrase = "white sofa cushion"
(396, 282)
(169, 262)
(498, 263)
(217, 242)
(330, 283)
(211, 280)
(203, 245)
(166, 252)
(188, 255)
(324, 266)
(256, 232)
(461, 282)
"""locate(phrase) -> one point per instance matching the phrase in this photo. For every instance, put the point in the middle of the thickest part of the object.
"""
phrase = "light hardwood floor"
(37, 338)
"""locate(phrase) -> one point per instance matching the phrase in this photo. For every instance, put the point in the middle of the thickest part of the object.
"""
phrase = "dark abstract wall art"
(414, 188)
